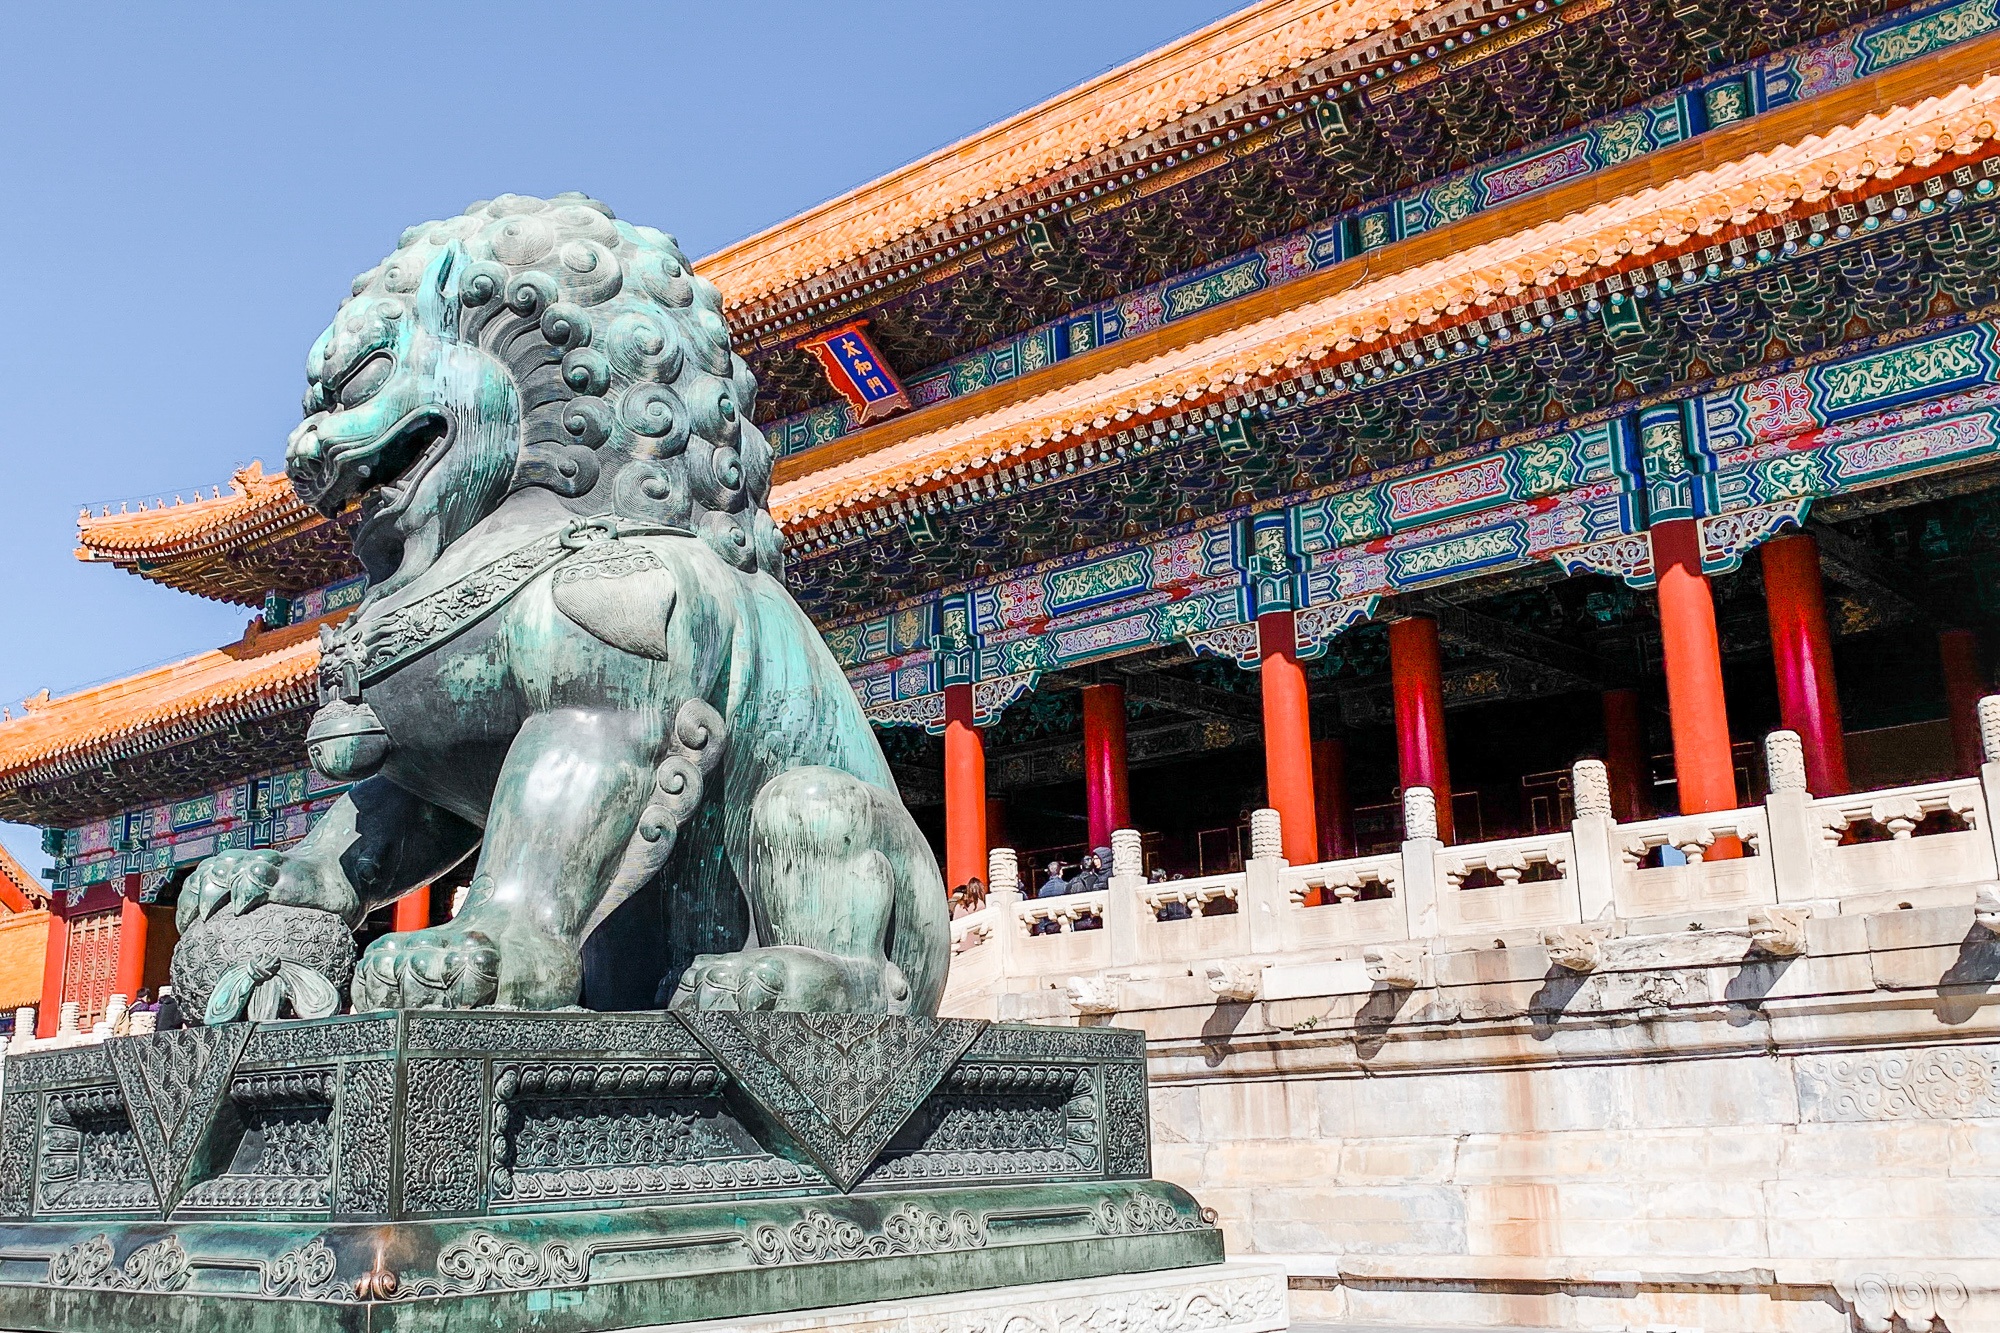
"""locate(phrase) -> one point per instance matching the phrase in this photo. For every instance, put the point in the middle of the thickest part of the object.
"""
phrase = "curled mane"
(633, 403)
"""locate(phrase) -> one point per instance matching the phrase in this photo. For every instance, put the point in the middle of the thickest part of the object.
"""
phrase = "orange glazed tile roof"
(19, 890)
(1178, 80)
(1733, 177)
(255, 506)
(260, 676)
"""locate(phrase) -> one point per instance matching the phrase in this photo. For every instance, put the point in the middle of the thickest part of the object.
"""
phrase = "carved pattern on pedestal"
(18, 1117)
(1126, 1153)
(532, 1034)
(173, 1084)
(840, 1084)
(161, 1266)
(367, 1100)
(996, 1121)
(90, 1159)
(442, 1122)
(820, 1237)
(306, 1271)
(1011, 1041)
(482, 1261)
(293, 1043)
(1938, 1084)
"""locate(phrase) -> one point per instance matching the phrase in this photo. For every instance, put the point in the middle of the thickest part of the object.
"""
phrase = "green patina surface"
(576, 661)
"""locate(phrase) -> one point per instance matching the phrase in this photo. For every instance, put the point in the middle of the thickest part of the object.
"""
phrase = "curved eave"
(156, 710)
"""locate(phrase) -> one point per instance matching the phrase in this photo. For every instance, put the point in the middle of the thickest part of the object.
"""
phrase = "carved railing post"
(1989, 769)
(1794, 848)
(1264, 896)
(1124, 914)
(1419, 888)
(1591, 832)
(24, 1028)
(1003, 902)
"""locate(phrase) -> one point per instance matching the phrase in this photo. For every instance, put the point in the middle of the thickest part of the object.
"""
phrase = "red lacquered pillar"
(55, 957)
(1964, 682)
(1802, 652)
(1331, 801)
(130, 973)
(1416, 674)
(1625, 754)
(964, 790)
(1288, 756)
(1105, 795)
(1702, 766)
(412, 910)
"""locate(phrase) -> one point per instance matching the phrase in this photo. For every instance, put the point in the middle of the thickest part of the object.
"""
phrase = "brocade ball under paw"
(275, 961)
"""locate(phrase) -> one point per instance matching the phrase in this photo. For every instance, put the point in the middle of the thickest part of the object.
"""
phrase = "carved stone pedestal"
(570, 1172)
(1218, 1298)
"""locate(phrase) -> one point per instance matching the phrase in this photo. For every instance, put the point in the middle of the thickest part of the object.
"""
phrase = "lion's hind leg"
(832, 873)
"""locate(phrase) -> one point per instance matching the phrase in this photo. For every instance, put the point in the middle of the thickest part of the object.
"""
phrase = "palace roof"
(1746, 176)
(233, 546)
(1173, 83)
(261, 675)
(19, 890)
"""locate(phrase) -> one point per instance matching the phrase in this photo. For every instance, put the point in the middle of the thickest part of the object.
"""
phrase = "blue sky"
(190, 189)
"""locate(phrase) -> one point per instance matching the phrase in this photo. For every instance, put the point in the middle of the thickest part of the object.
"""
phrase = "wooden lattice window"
(90, 964)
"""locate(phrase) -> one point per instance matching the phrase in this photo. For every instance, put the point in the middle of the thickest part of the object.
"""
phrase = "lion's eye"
(366, 380)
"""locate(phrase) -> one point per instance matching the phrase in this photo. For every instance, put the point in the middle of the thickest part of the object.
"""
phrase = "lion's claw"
(243, 879)
(794, 979)
(444, 967)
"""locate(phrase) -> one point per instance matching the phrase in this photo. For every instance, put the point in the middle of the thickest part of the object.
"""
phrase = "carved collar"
(381, 638)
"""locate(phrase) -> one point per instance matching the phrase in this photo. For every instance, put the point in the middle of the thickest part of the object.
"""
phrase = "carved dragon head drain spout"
(576, 652)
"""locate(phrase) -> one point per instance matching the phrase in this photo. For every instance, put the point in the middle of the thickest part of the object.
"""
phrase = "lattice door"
(90, 964)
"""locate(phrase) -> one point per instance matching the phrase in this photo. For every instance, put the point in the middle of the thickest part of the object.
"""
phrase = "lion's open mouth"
(384, 483)
(388, 465)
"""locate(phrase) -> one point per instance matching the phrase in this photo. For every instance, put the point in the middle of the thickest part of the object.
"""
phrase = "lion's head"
(532, 343)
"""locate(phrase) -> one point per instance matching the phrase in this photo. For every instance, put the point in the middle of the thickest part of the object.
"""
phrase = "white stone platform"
(1236, 1297)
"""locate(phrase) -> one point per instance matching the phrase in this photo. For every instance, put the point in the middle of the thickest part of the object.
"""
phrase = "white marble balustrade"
(1349, 923)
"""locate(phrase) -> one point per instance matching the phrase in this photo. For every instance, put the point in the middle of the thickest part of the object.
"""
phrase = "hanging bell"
(346, 741)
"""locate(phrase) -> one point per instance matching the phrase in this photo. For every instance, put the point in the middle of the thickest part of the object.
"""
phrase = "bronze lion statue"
(577, 659)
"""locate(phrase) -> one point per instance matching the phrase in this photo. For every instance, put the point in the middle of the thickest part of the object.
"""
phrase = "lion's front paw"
(247, 879)
(444, 967)
(792, 979)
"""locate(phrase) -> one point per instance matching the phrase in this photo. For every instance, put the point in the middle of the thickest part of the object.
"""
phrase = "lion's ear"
(620, 593)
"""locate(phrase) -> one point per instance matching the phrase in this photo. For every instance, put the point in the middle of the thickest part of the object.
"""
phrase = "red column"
(1702, 766)
(1416, 674)
(1105, 796)
(1802, 651)
(413, 910)
(1625, 754)
(1331, 801)
(1288, 756)
(54, 957)
(131, 970)
(1964, 682)
(964, 790)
